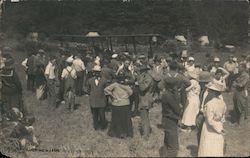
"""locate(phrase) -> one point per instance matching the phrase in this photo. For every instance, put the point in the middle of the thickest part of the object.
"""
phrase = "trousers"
(99, 120)
(171, 143)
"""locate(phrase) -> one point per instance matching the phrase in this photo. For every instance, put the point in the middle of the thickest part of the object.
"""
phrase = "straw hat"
(193, 74)
(191, 59)
(216, 59)
(114, 56)
(205, 76)
(70, 59)
(97, 68)
(216, 85)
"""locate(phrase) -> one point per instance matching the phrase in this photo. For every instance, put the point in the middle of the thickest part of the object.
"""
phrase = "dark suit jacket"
(97, 98)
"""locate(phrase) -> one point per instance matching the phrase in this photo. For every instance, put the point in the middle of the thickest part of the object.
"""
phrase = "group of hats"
(206, 77)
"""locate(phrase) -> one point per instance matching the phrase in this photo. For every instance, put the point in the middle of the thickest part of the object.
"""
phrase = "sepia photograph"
(124, 78)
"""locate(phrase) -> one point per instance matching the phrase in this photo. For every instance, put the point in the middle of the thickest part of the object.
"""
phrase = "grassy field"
(72, 132)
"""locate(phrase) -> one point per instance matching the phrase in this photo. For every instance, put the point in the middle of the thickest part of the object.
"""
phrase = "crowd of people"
(128, 85)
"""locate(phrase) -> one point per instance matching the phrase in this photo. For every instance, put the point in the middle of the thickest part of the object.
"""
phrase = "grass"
(72, 132)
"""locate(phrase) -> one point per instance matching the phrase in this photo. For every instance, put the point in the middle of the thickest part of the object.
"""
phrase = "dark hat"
(144, 67)
(205, 76)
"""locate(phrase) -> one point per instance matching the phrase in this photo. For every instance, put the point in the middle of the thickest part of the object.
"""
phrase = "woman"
(212, 135)
(121, 124)
(192, 109)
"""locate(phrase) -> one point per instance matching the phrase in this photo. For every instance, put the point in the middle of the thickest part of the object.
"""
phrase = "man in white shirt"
(50, 74)
(79, 66)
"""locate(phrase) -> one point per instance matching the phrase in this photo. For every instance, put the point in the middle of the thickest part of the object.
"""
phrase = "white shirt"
(50, 71)
(66, 71)
(78, 64)
(24, 63)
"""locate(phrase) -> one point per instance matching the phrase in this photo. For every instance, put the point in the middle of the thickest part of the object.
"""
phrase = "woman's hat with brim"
(205, 76)
(216, 86)
(114, 56)
(193, 74)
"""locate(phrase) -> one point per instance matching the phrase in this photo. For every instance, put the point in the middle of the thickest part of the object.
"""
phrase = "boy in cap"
(68, 77)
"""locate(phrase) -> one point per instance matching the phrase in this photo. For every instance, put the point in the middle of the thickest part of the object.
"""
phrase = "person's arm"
(109, 90)
(73, 73)
(243, 81)
(210, 114)
(190, 87)
(145, 83)
(225, 72)
(173, 103)
(46, 73)
(64, 74)
(127, 89)
(186, 82)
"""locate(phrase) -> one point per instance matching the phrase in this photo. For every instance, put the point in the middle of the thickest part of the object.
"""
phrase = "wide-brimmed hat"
(191, 59)
(193, 74)
(205, 76)
(97, 68)
(216, 59)
(216, 86)
(114, 56)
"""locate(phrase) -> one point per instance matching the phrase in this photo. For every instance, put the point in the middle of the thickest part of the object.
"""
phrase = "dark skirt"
(121, 124)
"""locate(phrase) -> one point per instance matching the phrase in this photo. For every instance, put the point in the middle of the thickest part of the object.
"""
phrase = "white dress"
(211, 140)
(192, 109)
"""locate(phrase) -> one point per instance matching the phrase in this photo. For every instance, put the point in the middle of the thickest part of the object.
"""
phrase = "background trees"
(223, 21)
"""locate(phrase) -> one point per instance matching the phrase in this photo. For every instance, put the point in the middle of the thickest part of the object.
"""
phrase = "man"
(230, 66)
(240, 97)
(97, 98)
(50, 74)
(145, 82)
(171, 109)
(11, 88)
(80, 72)
(31, 72)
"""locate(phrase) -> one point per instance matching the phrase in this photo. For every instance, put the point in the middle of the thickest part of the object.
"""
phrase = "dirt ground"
(72, 132)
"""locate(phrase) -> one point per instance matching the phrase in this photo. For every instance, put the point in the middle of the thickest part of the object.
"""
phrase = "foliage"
(223, 21)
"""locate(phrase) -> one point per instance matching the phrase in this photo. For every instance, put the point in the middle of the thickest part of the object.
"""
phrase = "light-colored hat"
(193, 74)
(216, 85)
(41, 51)
(191, 59)
(96, 68)
(216, 59)
(234, 59)
(184, 54)
(114, 56)
(70, 59)
(205, 76)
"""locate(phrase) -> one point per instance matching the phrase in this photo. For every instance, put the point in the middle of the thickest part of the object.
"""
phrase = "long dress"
(192, 109)
(212, 141)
